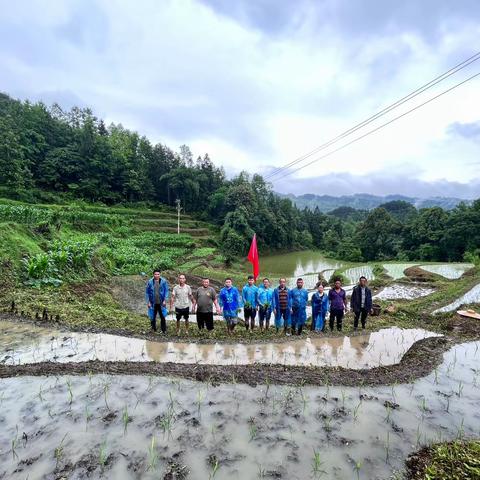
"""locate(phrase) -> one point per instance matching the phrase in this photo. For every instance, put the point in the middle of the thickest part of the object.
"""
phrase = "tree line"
(49, 154)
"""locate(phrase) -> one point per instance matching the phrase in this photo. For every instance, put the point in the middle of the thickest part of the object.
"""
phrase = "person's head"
(338, 283)
(362, 281)
(320, 287)
(282, 282)
(228, 282)
(205, 282)
(156, 274)
(182, 279)
(266, 282)
(299, 282)
(251, 280)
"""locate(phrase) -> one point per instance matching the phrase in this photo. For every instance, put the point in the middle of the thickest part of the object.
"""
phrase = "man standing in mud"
(265, 301)
(338, 305)
(156, 295)
(299, 307)
(250, 302)
(230, 302)
(282, 306)
(361, 302)
(181, 299)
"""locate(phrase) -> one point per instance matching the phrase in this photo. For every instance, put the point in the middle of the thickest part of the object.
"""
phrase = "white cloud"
(253, 89)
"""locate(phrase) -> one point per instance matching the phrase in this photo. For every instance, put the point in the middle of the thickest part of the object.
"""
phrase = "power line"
(381, 113)
(380, 126)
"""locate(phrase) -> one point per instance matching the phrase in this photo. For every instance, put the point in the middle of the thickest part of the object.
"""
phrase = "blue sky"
(257, 84)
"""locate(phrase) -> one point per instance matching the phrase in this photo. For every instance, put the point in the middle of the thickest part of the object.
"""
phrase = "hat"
(469, 313)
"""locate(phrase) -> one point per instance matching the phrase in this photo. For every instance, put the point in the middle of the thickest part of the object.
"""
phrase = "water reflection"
(31, 344)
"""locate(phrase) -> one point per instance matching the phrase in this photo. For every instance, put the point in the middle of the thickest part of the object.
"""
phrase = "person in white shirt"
(182, 299)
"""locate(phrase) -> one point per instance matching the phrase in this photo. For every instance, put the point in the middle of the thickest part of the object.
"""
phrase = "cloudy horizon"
(258, 84)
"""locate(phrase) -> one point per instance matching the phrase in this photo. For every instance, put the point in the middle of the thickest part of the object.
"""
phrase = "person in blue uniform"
(320, 306)
(250, 302)
(299, 307)
(265, 302)
(230, 302)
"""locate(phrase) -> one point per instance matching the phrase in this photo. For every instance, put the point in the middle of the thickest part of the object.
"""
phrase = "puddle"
(30, 344)
(472, 296)
(130, 427)
(396, 270)
(353, 274)
(452, 271)
(403, 292)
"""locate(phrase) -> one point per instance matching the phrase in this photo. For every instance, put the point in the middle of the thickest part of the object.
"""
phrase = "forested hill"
(365, 201)
(51, 155)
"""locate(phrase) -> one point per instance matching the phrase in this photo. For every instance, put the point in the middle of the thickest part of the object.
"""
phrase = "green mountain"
(365, 201)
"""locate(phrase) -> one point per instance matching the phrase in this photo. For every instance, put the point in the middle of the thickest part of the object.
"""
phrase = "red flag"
(253, 256)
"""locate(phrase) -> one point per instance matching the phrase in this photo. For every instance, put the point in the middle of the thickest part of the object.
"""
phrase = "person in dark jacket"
(361, 302)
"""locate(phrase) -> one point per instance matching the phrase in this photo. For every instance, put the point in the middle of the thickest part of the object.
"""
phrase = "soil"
(419, 361)
(416, 274)
(423, 357)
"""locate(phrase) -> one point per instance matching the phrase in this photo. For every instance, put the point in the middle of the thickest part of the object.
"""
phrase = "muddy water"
(403, 292)
(54, 427)
(30, 344)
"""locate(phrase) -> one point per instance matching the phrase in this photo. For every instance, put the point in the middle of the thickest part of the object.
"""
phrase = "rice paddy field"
(88, 391)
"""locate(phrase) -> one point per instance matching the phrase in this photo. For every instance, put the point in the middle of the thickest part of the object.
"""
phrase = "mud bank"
(419, 361)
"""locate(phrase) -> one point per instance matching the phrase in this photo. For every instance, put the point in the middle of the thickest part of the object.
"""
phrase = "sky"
(258, 84)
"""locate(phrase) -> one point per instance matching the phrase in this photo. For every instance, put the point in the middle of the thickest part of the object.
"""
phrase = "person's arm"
(147, 295)
(192, 299)
(345, 303)
(172, 299)
(218, 305)
(274, 302)
(165, 292)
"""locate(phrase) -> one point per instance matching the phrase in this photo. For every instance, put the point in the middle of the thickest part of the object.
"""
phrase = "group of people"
(288, 306)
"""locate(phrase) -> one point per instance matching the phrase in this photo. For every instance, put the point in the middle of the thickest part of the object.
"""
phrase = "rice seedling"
(253, 430)
(14, 443)
(70, 391)
(88, 417)
(126, 419)
(214, 469)
(461, 430)
(152, 455)
(262, 473)
(387, 448)
(317, 465)
(356, 411)
(460, 389)
(357, 467)
(199, 400)
(106, 388)
(58, 452)
(102, 455)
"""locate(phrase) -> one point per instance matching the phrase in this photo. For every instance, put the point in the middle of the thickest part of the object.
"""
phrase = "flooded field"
(403, 292)
(472, 296)
(396, 270)
(353, 274)
(21, 344)
(452, 271)
(298, 264)
(131, 427)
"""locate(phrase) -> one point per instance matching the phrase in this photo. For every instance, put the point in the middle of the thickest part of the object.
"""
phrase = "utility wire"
(379, 114)
(380, 126)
